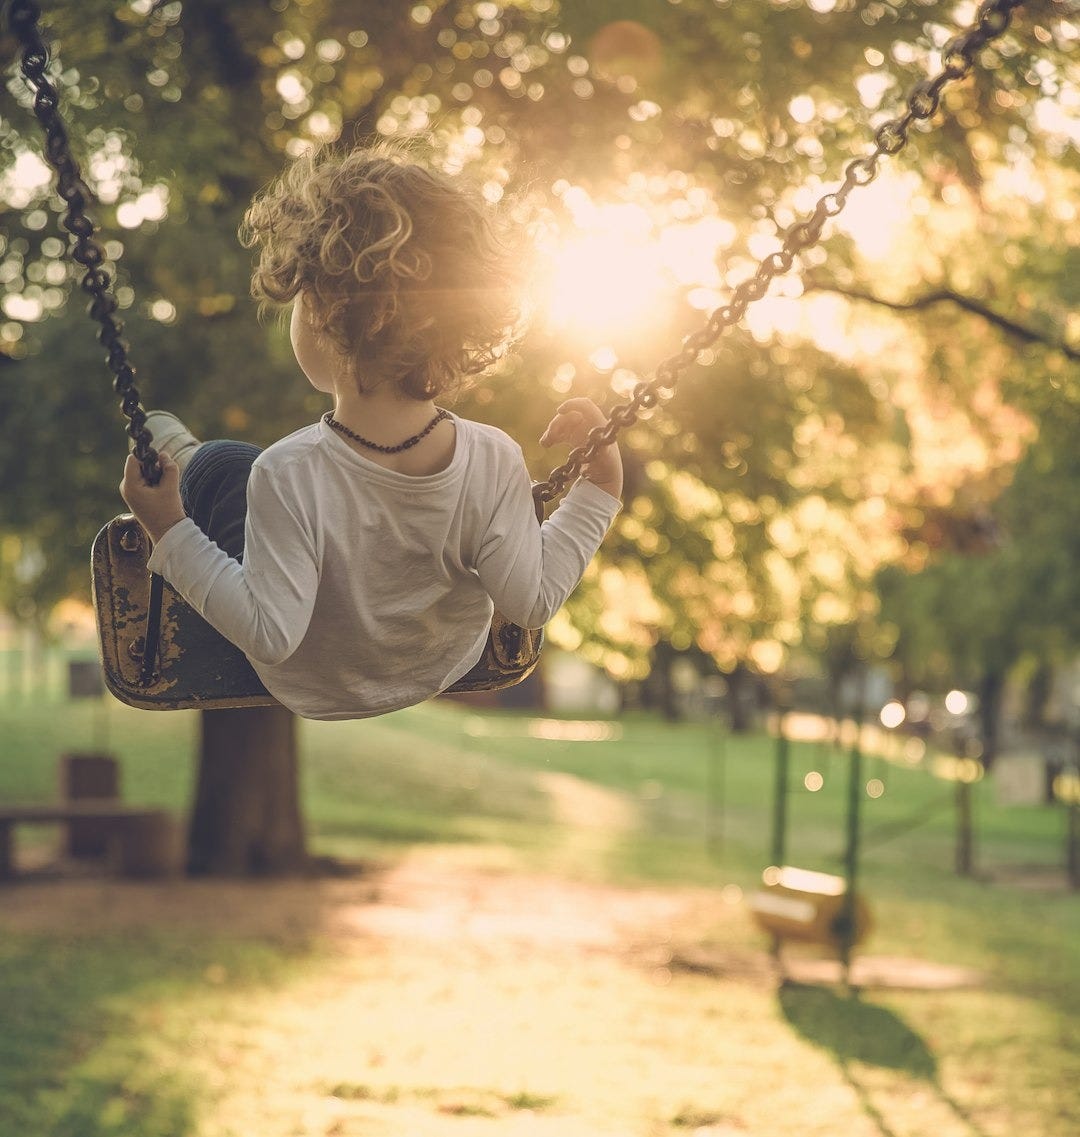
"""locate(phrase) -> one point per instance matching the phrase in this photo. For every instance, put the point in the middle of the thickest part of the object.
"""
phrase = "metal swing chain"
(958, 58)
(23, 18)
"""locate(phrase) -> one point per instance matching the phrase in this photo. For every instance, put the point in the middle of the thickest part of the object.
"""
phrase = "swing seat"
(194, 666)
(813, 907)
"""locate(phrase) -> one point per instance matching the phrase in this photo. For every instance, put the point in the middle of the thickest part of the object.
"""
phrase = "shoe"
(171, 437)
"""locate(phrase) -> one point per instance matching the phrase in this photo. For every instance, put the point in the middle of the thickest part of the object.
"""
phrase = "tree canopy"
(872, 411)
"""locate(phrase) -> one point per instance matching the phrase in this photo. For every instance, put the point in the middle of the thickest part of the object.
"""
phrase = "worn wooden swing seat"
(190, 665)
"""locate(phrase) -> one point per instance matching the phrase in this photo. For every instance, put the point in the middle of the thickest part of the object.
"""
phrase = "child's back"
(377, 540)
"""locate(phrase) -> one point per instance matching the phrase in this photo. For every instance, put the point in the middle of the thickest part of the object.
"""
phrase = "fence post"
(851, 850)
(1072, 841)
(716, 789)
(965, 829)
(780, 791)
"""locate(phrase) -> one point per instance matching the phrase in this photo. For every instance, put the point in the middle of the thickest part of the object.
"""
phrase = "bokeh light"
(892, 715)
(956, 702)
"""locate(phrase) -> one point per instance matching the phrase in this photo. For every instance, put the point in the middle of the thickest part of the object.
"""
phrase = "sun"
(616, 275)
(621, 275)
(606, 276)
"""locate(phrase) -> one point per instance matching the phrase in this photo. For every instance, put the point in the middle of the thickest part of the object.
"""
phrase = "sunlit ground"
(457, 992)
(542, 944)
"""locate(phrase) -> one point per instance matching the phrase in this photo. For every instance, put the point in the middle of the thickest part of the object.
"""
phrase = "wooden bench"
(144, 839)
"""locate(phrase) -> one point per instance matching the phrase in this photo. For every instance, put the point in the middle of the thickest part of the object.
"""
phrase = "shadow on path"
(853, 1030)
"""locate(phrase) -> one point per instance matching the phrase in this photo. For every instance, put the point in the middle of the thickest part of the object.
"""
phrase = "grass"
(175, 1021)
(70, 1064)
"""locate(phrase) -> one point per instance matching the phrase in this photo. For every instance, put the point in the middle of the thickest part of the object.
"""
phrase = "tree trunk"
(991, 691)
(657, 690)
(1040, 687)
(741, 699)
(246, 820)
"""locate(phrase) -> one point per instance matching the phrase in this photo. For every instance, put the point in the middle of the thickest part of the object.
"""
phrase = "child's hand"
(158, 508)
(571, 424)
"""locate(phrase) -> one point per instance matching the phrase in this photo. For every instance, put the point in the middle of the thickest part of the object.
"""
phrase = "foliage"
(965, 617)
(838, 431)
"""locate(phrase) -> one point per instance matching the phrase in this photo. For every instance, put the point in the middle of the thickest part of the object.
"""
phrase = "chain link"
(23, 19)
(958, 58)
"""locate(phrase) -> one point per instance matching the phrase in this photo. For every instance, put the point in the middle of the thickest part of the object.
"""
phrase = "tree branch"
(947, 296)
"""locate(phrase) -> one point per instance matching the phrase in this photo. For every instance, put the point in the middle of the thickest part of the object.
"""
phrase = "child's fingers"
(572, 422)
(131, 472)
(568, 421)
(133, 475)
(563, 427)
(170, 471)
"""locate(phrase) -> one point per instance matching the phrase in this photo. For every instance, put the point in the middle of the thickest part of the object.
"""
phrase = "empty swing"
(157, 652)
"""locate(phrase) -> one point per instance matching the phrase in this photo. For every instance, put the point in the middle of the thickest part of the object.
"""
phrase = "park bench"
(141, 840)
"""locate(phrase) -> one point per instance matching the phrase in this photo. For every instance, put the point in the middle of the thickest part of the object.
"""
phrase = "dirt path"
(445, 997)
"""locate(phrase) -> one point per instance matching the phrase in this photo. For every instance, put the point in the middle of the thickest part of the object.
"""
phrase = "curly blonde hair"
(403, 269)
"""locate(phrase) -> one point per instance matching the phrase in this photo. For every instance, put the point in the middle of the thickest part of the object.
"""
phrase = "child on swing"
(356, 562)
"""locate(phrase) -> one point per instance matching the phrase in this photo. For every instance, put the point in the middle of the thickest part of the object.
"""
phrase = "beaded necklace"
(408, 444)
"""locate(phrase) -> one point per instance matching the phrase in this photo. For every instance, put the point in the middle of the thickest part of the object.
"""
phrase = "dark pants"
(213, 488)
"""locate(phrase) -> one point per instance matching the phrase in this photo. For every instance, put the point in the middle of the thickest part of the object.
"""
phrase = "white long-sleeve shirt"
(363, 590)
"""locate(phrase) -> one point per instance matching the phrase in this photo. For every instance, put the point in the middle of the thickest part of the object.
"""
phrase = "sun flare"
(602, 285)
(615, 276)
(618, 274)
(606, 276)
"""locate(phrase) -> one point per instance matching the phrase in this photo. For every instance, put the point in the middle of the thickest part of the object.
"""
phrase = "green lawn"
(107, 1027)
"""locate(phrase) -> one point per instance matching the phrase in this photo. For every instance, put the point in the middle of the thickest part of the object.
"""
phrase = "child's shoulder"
(487, 440)
(292, 448)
